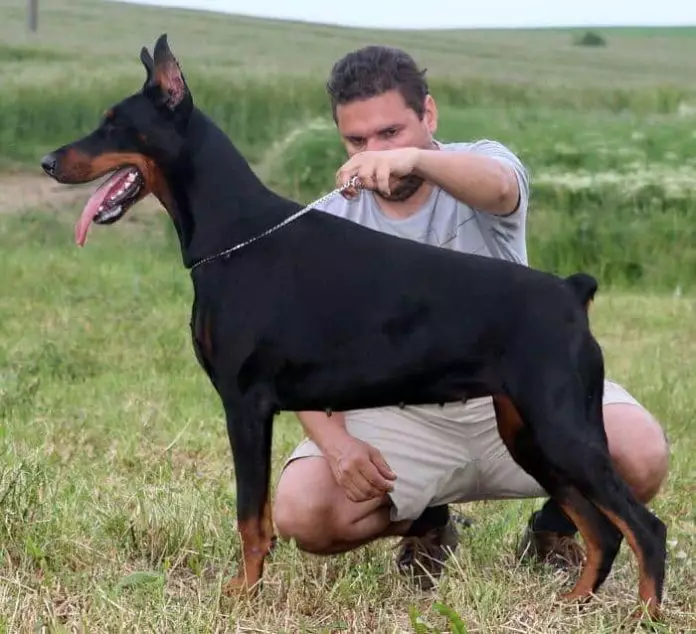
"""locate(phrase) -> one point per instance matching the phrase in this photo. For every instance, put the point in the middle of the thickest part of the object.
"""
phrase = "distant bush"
(590, 38)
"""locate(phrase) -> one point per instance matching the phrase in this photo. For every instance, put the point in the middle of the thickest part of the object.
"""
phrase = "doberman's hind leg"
(575, 448)
(601, 538)
(645, 533)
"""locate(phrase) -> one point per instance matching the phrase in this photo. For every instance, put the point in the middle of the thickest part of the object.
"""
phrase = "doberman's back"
(297, 301)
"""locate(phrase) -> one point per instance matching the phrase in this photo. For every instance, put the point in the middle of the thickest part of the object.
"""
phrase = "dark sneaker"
(559, 550)
(423, 558)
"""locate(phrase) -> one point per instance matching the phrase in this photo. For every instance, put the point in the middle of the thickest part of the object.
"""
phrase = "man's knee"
(639, 448)
(303, 507)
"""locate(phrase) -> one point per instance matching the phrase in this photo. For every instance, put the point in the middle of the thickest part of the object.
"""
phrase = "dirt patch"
(20, 191)
(24, 190)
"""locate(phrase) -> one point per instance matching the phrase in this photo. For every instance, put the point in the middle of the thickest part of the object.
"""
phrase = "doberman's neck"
(216, 200)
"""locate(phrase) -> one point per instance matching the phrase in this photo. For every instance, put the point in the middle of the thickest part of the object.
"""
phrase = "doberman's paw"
(648, 614)
(238, 586)
(578, 595)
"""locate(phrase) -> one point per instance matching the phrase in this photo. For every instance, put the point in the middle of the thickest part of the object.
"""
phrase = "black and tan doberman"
(324, 314)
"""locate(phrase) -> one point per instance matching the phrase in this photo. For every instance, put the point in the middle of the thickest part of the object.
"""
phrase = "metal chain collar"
(353, 182)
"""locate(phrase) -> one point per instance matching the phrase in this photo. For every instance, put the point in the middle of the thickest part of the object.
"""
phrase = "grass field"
(116, 483)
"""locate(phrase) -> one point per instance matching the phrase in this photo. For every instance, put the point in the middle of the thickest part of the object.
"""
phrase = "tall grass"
(257, 110)
(611, 193)
(252, 112)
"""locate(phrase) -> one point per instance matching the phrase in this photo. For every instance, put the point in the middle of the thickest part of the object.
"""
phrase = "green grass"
(607, 135)
(258, 76)
(116, 483)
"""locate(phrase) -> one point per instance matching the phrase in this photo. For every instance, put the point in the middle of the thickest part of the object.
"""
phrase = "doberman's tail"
(585, 287)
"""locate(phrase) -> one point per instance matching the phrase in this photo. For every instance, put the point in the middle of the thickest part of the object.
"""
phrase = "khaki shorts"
(445, 454)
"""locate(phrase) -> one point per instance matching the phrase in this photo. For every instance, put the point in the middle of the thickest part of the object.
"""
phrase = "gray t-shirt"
(444, 221)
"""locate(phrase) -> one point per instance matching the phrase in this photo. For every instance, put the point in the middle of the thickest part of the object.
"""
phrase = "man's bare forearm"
(480, 181)
(327, 432)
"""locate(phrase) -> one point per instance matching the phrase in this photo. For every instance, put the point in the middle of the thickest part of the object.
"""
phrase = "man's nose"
(376, 145)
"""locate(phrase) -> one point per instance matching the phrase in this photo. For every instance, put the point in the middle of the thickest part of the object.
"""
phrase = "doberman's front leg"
(250, 429)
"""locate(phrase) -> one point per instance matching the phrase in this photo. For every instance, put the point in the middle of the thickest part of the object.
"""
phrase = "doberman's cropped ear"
(164, 74)
(149, 65)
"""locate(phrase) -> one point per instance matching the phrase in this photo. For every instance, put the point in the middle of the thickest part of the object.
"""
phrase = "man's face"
(385, 122)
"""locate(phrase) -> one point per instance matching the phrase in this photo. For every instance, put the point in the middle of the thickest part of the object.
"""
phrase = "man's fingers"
(349, 185)
(364, 483)
(353, 183)
(382, 174)
(344, 175)
(382, 466)
(366, 176)
(372, 473)
(362, 473)
(368, 490)
(349, 193)
(358, 489)
(362, 174)
(353, 493)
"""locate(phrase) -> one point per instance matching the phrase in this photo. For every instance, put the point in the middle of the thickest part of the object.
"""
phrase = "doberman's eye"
(107, 124)
(111, 125)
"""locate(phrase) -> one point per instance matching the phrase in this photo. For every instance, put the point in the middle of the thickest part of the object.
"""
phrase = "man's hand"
(377, 170)
(360, 469)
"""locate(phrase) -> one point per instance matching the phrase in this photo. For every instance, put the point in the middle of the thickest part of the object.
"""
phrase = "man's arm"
(484, 179)
(357, 466)
(480, 181)
(327, 432)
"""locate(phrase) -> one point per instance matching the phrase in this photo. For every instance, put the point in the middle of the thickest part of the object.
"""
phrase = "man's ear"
(430, 114)
(164, 77)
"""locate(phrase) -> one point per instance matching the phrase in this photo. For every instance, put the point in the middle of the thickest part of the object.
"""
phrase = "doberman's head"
(135, 141)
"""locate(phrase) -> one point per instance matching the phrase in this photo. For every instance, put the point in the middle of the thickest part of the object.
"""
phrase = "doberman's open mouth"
(111, 200)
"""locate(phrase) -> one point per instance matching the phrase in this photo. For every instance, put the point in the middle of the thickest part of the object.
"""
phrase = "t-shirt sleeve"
(504, 234)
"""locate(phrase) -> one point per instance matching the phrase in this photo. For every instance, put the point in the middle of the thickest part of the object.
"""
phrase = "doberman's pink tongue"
(91, 208)
(95, 202)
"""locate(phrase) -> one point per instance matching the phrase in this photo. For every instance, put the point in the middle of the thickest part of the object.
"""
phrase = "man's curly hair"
(374, 70)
